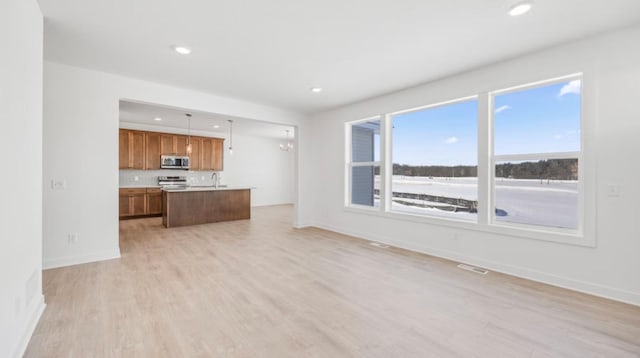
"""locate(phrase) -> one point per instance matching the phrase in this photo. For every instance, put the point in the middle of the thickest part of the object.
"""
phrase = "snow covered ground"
(549, 203)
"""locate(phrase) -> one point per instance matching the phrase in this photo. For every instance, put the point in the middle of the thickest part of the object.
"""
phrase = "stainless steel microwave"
(174, 162)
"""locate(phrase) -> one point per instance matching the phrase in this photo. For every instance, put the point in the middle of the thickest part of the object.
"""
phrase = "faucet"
(214, 177)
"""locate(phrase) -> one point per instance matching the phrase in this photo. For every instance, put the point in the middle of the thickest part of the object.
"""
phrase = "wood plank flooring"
(258, 288)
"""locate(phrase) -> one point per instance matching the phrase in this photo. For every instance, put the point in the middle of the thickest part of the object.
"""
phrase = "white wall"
(81, 109)
(259, 163)
(21, 300)
(611, 65)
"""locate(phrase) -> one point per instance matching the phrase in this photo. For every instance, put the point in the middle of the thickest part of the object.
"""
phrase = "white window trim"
(349, 164)
(586, 237)
(388, 154)
(573, 233)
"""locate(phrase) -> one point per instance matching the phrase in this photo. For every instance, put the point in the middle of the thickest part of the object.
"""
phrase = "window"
(435, 161)
(364, 163)
(509, 161)
(536, 155)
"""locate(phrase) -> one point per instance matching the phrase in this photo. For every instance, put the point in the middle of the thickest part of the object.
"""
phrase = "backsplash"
(149, 178)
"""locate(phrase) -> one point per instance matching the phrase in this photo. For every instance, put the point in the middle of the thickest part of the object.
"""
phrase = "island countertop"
(205, 188)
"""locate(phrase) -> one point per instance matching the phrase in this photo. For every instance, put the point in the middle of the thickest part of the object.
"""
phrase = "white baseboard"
(49, 263)
(36, 309)
(607, 292)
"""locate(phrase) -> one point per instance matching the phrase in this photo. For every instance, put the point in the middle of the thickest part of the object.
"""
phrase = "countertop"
(205, 188)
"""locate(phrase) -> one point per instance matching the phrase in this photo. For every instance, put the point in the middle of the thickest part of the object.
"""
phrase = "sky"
(539, 120)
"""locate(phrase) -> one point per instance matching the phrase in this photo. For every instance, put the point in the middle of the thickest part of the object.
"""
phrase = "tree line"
(556, 169)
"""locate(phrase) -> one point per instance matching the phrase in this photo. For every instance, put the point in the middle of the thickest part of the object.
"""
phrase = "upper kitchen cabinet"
(153, 149)
(218, 154)
(212, 154)
(167, 144)
(181, 145)
(158, 144)
(173, 144)
(142, 150)
(132, 149)
(195, 158)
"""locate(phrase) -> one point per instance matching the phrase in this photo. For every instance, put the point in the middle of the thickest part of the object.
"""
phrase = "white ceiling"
(272, 52)
(174, 118)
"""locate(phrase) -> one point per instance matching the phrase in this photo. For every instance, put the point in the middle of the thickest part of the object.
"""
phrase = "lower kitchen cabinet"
(154, 201)
(140, 202)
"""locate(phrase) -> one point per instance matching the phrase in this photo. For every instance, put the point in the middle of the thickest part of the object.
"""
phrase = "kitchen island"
(202, 205)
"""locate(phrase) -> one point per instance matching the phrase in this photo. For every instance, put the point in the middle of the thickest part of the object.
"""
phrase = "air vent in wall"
(473, 269)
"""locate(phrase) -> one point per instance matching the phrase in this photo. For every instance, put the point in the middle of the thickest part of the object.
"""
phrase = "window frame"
(350, 164)
(579, 231)
(389, 124)
(587, 184)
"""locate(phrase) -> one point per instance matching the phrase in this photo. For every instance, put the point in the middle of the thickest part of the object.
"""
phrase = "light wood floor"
(261, 289)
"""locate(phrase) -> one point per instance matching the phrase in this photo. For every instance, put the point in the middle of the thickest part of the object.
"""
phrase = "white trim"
(538, 84)
(37, 308)
(586, 237)
(364, 164)
(607, 292)
(349, 163)
(386, 159)
(535, 156)
(434, 105)
(541, 233)
(485, 131)
(80, 259)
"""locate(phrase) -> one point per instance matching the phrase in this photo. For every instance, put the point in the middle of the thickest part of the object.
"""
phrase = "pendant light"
(230, 136)
(287, 147)
(189, 146)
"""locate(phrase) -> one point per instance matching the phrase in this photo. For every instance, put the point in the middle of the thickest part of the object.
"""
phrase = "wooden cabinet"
(142, 150)
(167, 146)
(154, 201)
(180, 145)
(195, 158)
(212, 154)
(132, 149)
(153, 149)
(218, 154)
(140, 202)
(133, 202)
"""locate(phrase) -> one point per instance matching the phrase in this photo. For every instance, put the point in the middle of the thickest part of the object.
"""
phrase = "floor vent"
(377, 244)
(473, 269)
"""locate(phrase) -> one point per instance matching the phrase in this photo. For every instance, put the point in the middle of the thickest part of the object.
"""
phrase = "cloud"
(502, 108)
(573, 87)
(557, 136)
(452, 140)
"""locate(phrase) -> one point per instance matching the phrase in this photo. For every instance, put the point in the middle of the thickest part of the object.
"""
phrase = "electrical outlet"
(73, 238)
(613, 190)
(58, 184)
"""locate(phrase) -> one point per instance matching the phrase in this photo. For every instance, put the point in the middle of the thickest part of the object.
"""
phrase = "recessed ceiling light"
(183, 50)
(520, 8)
(216, 126)
(316, 89)
(157, 119)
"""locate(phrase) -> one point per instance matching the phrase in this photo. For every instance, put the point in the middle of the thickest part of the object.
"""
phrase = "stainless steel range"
(172, 182)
